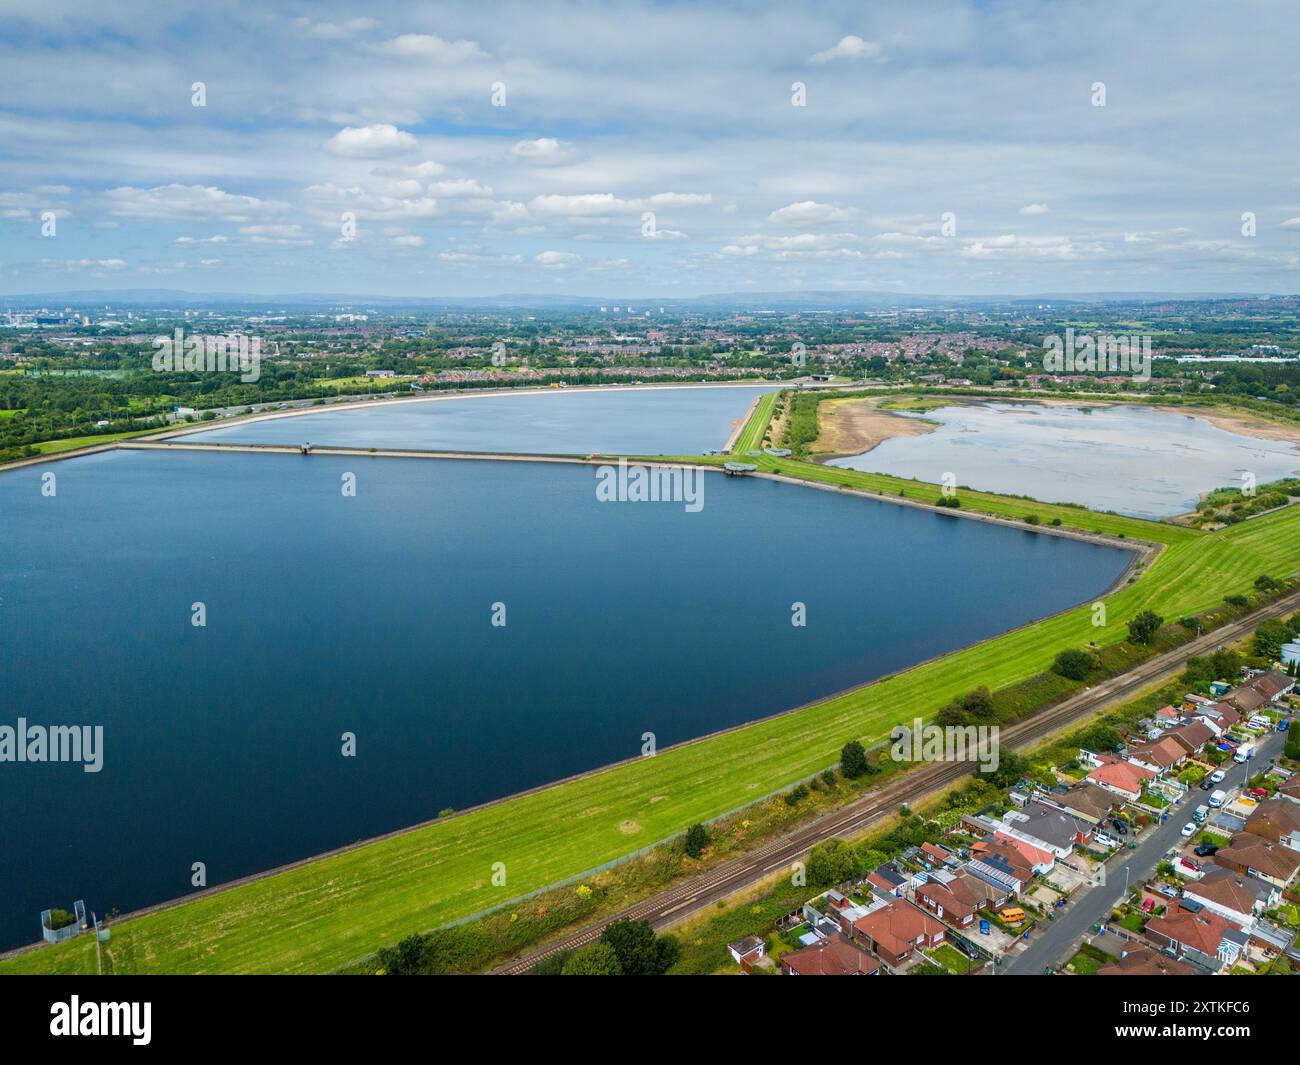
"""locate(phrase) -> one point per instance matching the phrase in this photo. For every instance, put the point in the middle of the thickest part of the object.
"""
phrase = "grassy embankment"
(319, 917)
(751, 436)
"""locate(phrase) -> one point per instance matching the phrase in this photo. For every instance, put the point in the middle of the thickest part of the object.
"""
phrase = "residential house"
(1125, 779)
(954, 901)
(1273, 686)
(1000, 865)
(1234, 897)
(1040, 861)
(1047, 828)
(889, 879)
(1277, 821)
(1158, 756)
(1253, 856)
(1246, 700)
(1194, 933)
(1192, 736)
(1087, 801)
(837, 956)
(1289, 789)
(894, 932)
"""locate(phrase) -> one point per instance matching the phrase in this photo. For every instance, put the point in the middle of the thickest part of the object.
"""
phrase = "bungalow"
(837, 956)
(1246, 700)
(1192, 931)
(1039, 860)
(1192, 736)
(1088, 802)
(1000, 865)
(893, 932)
(1273, 686)
(1220, 716)
(1123, 778)
(1277, 821)
(1252, 856)
(1234, 897)
(934, 856)
(888, 879)
(1158, 756)
(1047, 828)
(1141, 960)
(1290, 788)
(955, 901)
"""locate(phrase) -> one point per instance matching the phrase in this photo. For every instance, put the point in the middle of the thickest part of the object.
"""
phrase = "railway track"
(678, 902)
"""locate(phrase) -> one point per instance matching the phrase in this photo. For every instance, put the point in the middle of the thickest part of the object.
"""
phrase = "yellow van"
(1012, 915)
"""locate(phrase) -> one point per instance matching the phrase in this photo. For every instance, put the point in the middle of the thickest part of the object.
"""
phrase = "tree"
(1011, 767)
(697, 838)
(979, 704)
(408, 958)
(832, 862)
(638, 950)
(1142, 629)
(1265, 583)
(1270, 636)
(595, 959)
(853, 760)
(1073, 664)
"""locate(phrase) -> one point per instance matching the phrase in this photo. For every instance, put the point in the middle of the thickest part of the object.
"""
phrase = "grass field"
(318, 917)
(752, 435)
(53, 447)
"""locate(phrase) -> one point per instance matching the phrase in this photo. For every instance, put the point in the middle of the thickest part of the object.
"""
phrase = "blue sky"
(649, 148)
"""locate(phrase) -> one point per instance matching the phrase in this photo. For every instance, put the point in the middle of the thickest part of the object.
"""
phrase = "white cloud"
(810, 211)
(366, 142)
(184, 203)
(556, 260)
(430, 46)
(849, 47)
(544, 151)
(1034, 208)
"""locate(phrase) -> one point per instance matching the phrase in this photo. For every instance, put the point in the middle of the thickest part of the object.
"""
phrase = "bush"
(595, 959)
(1073, 664)
(697, 838)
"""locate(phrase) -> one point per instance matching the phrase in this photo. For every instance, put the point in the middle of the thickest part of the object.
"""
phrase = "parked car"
(1257, 793)
(1148, 905)
(1103, 840)
(1120, 826)
(1217, 776)
(1208, 783)
(1206, 850)
(1188, 829)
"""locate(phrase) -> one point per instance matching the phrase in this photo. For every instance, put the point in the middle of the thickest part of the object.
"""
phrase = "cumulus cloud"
(807, 212)
(556, 260)
(850, 47)
(542, 151)
(431, 46)
(1034, 208)
(184, 203)
(368, 142)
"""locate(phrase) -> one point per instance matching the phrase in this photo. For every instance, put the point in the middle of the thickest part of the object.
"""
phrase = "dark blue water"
(371, 614)
(643, 421)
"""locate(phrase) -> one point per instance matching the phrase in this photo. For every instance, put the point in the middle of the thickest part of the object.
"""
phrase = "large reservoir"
(685, 420)
(325, 614)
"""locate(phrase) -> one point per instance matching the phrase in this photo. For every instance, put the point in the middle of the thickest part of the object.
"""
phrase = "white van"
(1218, 798)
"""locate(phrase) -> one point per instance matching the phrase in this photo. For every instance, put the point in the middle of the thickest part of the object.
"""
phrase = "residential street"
(1056, 942)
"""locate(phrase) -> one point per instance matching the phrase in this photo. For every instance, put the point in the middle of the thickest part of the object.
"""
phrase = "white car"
(1217, 776)
(1189, 828)
(1103, 840)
